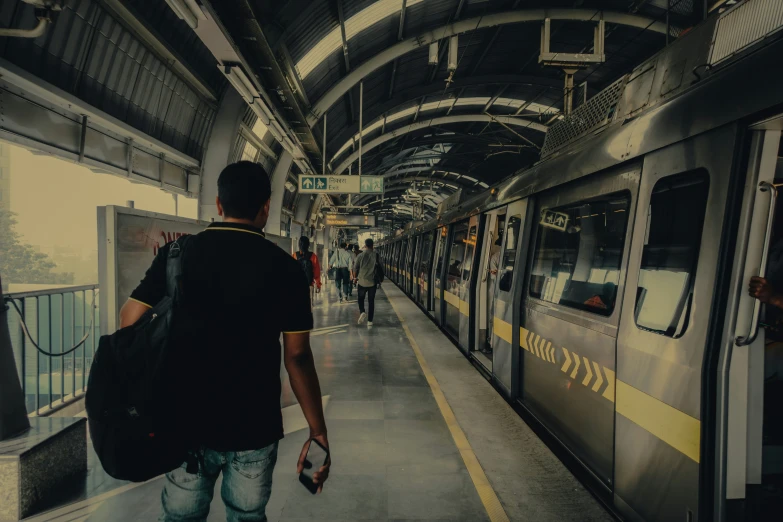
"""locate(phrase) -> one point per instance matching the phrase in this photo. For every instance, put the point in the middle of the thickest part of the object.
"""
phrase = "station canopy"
(436, 120)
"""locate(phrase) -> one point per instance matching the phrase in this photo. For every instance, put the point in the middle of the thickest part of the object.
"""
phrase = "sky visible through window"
(55, 203)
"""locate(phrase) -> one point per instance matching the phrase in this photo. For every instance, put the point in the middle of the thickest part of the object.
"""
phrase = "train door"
(571, 311)
(441, 236)
(666, 319)
(415, 267)
(465, 324)
(494, 227)
(762, 360)
(396, 262)
(406, 244)
(414, 243)
(500, 301)
(451, 290)
(425, 270)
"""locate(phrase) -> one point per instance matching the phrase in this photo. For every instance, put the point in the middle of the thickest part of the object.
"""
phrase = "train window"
(457, 256)
(470, 243)
(577, 243)
(675, 219)
(509, 253)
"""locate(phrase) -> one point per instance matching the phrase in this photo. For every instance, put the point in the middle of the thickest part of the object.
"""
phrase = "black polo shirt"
(242, 291)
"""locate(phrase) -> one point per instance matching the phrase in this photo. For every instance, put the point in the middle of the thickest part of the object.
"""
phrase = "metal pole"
(84, 346)
(323, 161)
(50, 347)
(73, 341)
(62, 347)
(668, 8)
(361, 113)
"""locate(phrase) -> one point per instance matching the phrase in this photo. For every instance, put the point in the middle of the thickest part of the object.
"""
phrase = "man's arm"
(304, 382)
(150, 291)
(131, 312)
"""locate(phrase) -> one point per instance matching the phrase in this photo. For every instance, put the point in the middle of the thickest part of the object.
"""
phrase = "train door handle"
(764, 186)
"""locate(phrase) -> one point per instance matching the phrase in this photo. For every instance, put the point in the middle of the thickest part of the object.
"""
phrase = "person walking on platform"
(239, 293)
(349, 249)
(341, 262)
(354, 250)
(309, 263)
(365, 268)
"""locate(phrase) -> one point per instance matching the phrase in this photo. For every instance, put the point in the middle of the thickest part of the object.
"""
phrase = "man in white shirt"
(342, 261)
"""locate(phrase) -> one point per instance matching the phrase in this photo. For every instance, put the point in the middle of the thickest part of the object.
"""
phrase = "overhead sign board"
(337, 220)
(309, 184)
(552, 219)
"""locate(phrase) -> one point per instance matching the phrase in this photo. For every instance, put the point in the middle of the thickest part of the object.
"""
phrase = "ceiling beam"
(494, 98)
(472, 24)
(443, 120)
(373, 112)
(347, 61)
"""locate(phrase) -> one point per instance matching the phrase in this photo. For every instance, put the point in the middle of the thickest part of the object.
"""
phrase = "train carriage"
(604, 290)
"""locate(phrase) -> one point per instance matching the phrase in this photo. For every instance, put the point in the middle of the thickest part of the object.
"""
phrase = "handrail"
(50, 291)
(764, 186)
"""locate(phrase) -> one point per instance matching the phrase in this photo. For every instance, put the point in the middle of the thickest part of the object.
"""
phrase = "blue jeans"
(342, 279)
(247, 486)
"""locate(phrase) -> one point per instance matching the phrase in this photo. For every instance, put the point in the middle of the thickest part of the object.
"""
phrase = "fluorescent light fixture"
(453, 52)
(188, 11)
(239, 80)
(290, 186)
(433, 60)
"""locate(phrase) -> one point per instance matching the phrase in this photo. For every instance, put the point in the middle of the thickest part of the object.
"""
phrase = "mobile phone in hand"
(316, 457)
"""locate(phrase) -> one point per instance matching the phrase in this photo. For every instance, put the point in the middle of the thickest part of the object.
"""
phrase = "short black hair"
(243, 189)
(342, 245)
(368, 243)
(304, 243)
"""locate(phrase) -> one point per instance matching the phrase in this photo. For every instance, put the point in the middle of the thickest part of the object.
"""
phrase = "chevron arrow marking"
(567, 363)
(523, 338)
(537, 344)
(589, 371)
(609, 391)
(599, 379)
(577, 362)
(551, 350)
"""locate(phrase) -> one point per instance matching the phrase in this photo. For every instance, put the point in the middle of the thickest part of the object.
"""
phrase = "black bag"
(379, 275)
(130, 410)
(306, 262)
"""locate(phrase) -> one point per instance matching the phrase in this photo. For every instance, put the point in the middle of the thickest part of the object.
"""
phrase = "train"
(604, 290)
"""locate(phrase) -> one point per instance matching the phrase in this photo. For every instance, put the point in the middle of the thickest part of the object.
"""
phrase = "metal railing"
(57, 319)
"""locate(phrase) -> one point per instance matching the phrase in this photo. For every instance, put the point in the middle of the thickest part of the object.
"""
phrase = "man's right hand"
(762, 290)
(320, 476)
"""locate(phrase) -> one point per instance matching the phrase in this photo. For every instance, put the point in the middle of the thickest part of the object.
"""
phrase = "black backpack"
(131, 415)
(379, 275)
(306, 262)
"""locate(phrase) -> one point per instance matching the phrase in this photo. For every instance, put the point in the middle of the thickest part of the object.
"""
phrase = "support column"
(278, 189)
(218, 151)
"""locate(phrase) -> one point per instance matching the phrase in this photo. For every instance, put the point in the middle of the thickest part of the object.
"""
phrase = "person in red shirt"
(309, 263)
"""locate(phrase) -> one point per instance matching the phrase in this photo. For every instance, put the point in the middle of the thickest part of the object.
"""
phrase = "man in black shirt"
(242, 291)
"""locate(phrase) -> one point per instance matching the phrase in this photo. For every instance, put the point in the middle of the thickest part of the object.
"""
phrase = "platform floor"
(394, 456)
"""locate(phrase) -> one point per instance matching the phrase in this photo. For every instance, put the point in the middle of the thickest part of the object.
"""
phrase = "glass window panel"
(671, 249)
(470, 247)
(509, 253)
(574, 243)
(249, 152)
(456, 257)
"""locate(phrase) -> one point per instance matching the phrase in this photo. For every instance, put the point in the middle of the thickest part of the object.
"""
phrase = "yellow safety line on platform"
(483, 487)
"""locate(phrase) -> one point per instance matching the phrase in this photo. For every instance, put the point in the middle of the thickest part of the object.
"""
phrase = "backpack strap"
(174, 266)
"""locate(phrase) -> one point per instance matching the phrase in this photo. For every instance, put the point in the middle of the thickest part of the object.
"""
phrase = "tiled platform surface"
(393, 456)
